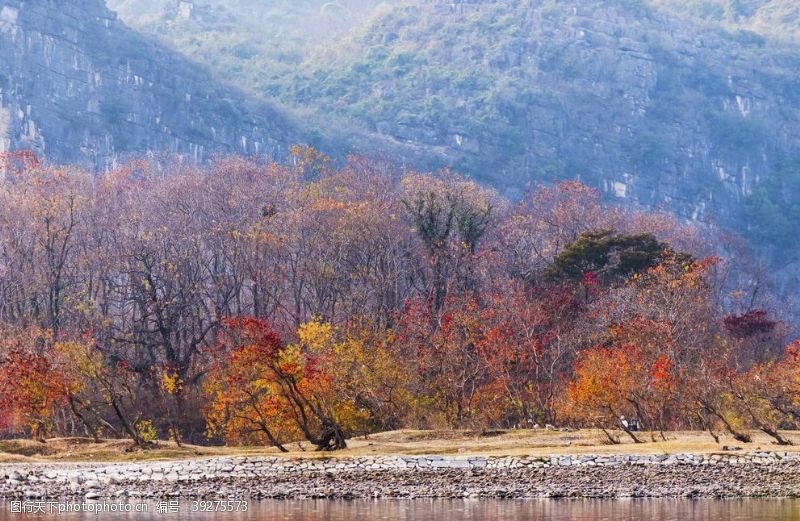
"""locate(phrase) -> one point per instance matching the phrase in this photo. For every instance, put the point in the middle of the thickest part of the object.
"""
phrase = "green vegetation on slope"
(246, 41)
(617, 95)
(690, 105)
(779, 19)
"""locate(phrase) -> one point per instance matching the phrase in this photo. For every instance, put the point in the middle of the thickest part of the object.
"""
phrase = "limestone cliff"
(78, 86)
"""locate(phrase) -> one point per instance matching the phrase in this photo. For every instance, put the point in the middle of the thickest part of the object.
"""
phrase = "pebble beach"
(760, 474)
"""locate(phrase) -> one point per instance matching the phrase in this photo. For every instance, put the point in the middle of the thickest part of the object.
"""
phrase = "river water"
(418, 510)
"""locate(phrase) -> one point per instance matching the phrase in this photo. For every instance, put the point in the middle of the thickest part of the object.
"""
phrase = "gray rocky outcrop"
(77, 86)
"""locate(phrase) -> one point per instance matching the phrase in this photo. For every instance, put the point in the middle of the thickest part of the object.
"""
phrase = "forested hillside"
(693, 107)
(772, 19)
(247, 41)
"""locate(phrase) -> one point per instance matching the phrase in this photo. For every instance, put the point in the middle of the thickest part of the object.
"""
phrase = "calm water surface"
(419, 510)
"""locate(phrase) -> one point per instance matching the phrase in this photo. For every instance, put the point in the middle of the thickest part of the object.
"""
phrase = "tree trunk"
(90, 428)
(130, 429)
(775, 434)
(611, 439)
(738, 436)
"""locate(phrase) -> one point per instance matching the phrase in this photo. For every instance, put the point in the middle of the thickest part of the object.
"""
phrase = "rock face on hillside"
(648, 107)
(644, 104)
(77, 86)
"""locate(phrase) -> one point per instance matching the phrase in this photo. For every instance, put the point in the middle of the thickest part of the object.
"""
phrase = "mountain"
(616, 93)
(248, 41)
(776, 19)
(694, 106)
(78, 86)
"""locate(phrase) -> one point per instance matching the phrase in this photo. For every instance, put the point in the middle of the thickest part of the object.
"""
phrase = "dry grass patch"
(405, 442)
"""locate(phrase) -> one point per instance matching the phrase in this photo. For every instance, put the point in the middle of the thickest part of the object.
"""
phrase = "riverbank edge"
(756, 474)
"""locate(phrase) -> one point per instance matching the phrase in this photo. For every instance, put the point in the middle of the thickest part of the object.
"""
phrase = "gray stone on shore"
(760, 474)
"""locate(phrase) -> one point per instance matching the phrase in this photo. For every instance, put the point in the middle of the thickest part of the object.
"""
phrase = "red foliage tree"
(30, 390)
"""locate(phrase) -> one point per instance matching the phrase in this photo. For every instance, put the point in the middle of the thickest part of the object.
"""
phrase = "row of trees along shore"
(255, 302)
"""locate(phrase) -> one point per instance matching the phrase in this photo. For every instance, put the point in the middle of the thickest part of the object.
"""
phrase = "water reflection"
(436, 510)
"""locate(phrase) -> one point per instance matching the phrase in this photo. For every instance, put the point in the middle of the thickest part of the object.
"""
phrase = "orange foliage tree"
(31, 386)
(630, 376)
(525, 342)
(30, 390)
(262, 387)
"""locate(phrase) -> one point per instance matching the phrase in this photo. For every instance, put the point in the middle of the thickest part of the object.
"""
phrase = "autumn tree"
(775, 386)
(443, 344)
(42, 211)
(525, 341)
(450, 216)
(286, 387)
(396, 299)
(246, 403)
(30, 391)
(630, 376)
(104, 393)
(754, 394)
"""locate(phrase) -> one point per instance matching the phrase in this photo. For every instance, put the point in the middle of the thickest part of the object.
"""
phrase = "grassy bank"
(407, 442)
